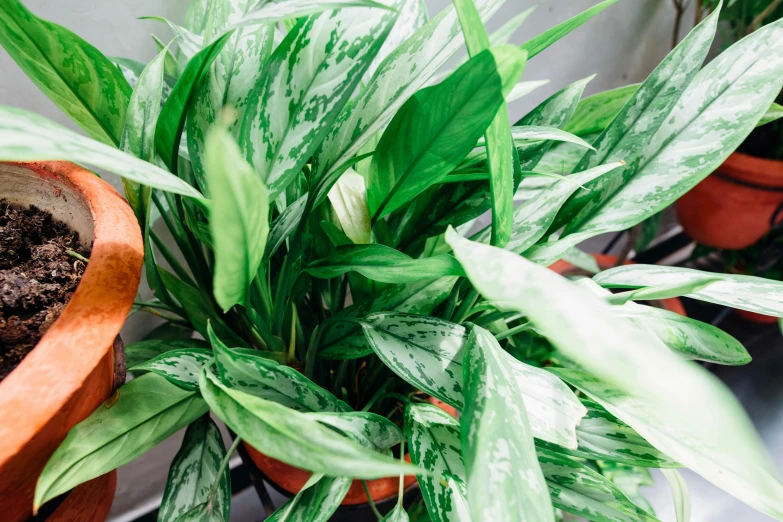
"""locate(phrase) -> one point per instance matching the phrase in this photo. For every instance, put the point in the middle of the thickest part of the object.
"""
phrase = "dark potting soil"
(37, 278)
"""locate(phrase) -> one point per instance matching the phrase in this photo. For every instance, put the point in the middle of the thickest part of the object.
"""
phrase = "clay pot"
(291, 479)
(753, 317)
(736, 205)
(71, 371)
(605, 262)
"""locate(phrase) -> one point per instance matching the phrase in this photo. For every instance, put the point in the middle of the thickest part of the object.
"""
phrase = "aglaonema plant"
(320, 170)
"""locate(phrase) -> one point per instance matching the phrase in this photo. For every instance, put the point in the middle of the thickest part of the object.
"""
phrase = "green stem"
(402, 477)
(224, 465)
(171, 259)
(463, 178)
(513, 331)
(77, 255)
(371, 501)
(378, 395)
(467, 304)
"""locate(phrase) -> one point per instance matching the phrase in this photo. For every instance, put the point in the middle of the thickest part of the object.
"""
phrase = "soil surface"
(37, 278)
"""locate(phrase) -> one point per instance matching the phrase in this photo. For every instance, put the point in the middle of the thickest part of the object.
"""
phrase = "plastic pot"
(71, 371)
(605, 262)
(736, 205)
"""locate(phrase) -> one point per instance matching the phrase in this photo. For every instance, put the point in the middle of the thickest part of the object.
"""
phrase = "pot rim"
(752, 171)
(76, 343)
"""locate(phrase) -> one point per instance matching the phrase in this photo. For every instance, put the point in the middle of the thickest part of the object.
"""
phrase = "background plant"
(319, 172)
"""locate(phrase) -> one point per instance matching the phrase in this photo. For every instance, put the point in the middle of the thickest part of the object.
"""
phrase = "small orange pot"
(604, 263)
(753, 317)
(292, 479)
(71, 371)
(736, 205)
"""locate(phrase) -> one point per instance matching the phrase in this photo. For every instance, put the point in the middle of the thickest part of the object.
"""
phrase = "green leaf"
(384, 264)
(293, 437)
(148, 410)
(602, 436)
(368, 429)
(398, 514)
(774, 113)
(138, 134)
(206, 512)
(400, 76)
(284, 225)
(438, 127)
(629, 479)
(277, 11)
(188, 43)
(25, 136)
(434, 442)
(180, 367)
(680, 493)
(140, 352)
(754, 294)
(547, 38)
(596, 112)
(72, 73)
(538, 133)
(269, 380)
(238, 218)
(713, 116)
(577, 489)
(344, 340)
(690, 415)
(349, 201)
(314, 504)
(320, 63)
(582, 260)
(427, 353)
(504, 480)
(172, 118)
(194, 471)
(533, 217)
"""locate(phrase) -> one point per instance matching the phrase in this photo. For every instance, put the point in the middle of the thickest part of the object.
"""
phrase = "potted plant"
(60, 357)
(317, 218)
(741, 202)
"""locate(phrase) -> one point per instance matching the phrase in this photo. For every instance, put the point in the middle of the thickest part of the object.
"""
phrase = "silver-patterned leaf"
(689, 415)
(349, 201)
(504, 480)
(368, 429)
(399, 77)
(434, 442)
(293, 437)
(680, 493)
(427, 352)
(413, 15)
(25, 136)
(754, 294)
(269, 380)
(577, 489)
(306, 83)
(193, 472)
(314, 504)
(180, 367)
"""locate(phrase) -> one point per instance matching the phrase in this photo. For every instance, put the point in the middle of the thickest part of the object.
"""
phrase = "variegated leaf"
(533, 218)
(680, 493)
(522, 89)
(280, 10)
(398, 514)
(639, 119)
(25, 136)
(596, 112)
(193, 472)
(344, 339)
(142, 351)
(188, 43)
(413, 15)
(754, 294)
(577, 489)
(269, 380)
(690, 415)
(714, 115)
(629, 479)
(314, 504)
(72, 73)
(284, 225)
(398, 77)
(180, 367)
(205, 512)
(294, 438)
(368, 429)
(434, 443)
(427, 352)
(307, 81)
(602, 436)
(504, 480)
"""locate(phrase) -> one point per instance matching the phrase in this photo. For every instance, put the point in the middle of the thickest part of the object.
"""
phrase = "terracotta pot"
(89, 501)
(291, 479)
(71, 371)
(605, 262)
(753, 317)
(736, 205)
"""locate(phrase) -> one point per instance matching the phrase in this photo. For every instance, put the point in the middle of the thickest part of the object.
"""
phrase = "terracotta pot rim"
(105, 294)
(752, 170)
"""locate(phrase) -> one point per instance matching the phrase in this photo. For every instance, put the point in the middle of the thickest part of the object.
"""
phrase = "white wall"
(622, 45)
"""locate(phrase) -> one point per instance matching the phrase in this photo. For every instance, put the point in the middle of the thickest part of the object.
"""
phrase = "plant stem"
(467, 303)
(462, 178)
(756, 23)
(402, 477)
(171, 259)
(224, 464)
(77, 255)
(514, 331)
(371, 501)
(378, 394)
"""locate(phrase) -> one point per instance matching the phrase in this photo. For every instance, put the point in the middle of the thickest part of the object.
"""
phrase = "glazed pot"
(736, 205)
(71, 370)
(604, 263)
